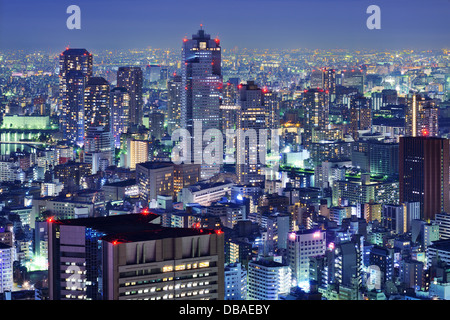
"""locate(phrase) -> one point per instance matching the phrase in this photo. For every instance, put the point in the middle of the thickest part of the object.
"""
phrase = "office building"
(154, 122)
(353, 78)
(443, 220)
(235, 282)
(252, 117)
(131, 256)
(204, 193)
(424, 174)
(120, 109)
(99, 148)
(267, 280)
(302, 245)
(153, 179)
(201, 78)
(185, 175)
(174, 91)
(131, 78)
(6, 267)
(360, 115)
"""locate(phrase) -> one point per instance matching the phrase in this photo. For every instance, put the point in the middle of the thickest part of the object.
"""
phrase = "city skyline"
(289, 24)
(258, 170)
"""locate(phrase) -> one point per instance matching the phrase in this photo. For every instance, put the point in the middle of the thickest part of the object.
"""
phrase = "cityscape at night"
(227, 151)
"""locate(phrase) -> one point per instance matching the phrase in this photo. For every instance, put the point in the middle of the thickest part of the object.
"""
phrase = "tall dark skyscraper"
(96, 103)
(424, 174)
(131, 78)
(75, 69)
(201, 77)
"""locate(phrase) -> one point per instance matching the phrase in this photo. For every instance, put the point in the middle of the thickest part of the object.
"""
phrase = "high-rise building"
(267, 280)
(329, 83)
(316, 112)
(6, 267)
(137, 152)
(443, 220)
(302, 245)
(154, 179)
(383, 258)
(75, 69)
(99, 148)
(252, 118)
(271, 102)
(201, 78)
(154, 121)
(96, 103)
(315, 102)
(120, 109)
(421, 116)
(132, 256)
(324, 78)
(185, 175)
(316, 79)
(72, 117)
(131, 78)
(360, 115)
(235, 282)
(353, 78)
(174, 91)
(424, 174)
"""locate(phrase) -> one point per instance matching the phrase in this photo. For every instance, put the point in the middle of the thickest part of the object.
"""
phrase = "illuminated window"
(167, 268)
(180, 267)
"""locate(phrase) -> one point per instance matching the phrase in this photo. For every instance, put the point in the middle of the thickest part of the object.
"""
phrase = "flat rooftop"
(132, 228)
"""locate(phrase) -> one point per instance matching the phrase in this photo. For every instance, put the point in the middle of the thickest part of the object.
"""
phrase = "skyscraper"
(75, 69)
(173, 103)
(316, 111)
(360, 115)
(424, 174)
(131, 78)
(120, 109)
(201, 78)
(96, 104)
(252, 117)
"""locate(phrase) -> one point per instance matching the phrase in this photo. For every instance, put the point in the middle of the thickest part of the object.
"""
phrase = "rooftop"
(132, 228)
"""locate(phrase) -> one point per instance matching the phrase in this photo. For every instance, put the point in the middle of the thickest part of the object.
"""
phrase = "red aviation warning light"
(425, 132)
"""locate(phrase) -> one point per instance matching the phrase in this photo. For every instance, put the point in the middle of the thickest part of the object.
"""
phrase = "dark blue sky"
(325, 24)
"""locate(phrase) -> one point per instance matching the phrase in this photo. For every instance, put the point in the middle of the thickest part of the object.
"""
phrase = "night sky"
(285, 24)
